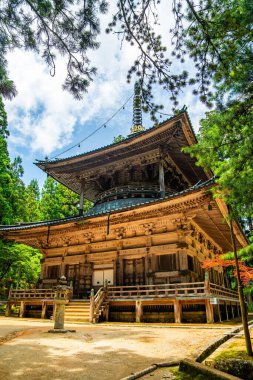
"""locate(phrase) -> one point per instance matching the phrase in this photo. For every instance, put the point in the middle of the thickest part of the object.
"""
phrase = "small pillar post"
(44, 310)
(177, 311)
(138, 311)
(8, 310)
(22, 309)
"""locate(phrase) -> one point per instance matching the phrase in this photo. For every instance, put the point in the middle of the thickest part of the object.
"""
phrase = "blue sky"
(44, 120)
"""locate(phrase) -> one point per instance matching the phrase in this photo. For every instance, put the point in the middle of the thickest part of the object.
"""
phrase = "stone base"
(60, 331)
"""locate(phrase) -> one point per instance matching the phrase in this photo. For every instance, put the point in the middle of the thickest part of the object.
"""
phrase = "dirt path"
(108, 352)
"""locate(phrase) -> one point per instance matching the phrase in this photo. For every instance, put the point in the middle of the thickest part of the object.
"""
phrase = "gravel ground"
(107, 351)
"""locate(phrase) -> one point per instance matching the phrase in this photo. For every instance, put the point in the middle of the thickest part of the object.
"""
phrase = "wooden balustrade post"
(209, 311)
(92, 306)
(138, 311)
(177, 311)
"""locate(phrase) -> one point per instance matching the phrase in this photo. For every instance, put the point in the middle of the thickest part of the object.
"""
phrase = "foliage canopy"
(215, 34)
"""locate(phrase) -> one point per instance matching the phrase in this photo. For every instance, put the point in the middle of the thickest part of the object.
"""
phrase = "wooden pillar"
(22, 309)
(81, 199)
(161, 179)
(44, 310)
(232, 309)
(226, 311)
(81, 278)
(219, 313)
(207, 283)
(177, 311)
(149, 268)
(238, 310)
(62, 269)
(107, 313)
(138, 311)
(42, 272)
(209, 312)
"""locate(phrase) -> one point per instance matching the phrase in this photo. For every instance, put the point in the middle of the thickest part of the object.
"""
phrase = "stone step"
(77, 312)
(78, 307)
(76, 319)
(78, 303)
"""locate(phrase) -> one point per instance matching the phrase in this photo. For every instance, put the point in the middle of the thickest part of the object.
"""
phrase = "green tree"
(225, 146)
(12, 188)
(6, 210)
(19, 265)
(48, 27)
(216, 34)
(219, 39)
(32, 202)
(57, 201)
(18, 191)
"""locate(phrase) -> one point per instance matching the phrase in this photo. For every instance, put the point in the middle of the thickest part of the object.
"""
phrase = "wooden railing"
(29, 294)
(96, 302)
(221, 291)
(191, 290)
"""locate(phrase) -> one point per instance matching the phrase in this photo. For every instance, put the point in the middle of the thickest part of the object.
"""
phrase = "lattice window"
(167, 263)
(53, 271)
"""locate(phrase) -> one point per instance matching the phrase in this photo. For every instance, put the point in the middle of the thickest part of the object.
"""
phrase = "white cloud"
(44, 118)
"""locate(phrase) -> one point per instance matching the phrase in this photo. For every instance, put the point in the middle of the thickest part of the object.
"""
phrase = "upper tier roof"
(147, 147)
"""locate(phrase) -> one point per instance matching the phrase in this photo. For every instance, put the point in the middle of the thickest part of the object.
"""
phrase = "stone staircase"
(77, 311)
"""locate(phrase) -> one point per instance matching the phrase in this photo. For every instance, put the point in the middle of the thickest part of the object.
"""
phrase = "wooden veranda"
(131, 303)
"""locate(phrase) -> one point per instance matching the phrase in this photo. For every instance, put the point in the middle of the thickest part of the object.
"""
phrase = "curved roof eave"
(42, 163)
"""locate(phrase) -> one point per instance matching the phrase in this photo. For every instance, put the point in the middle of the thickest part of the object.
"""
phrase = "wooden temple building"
(140, 248)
